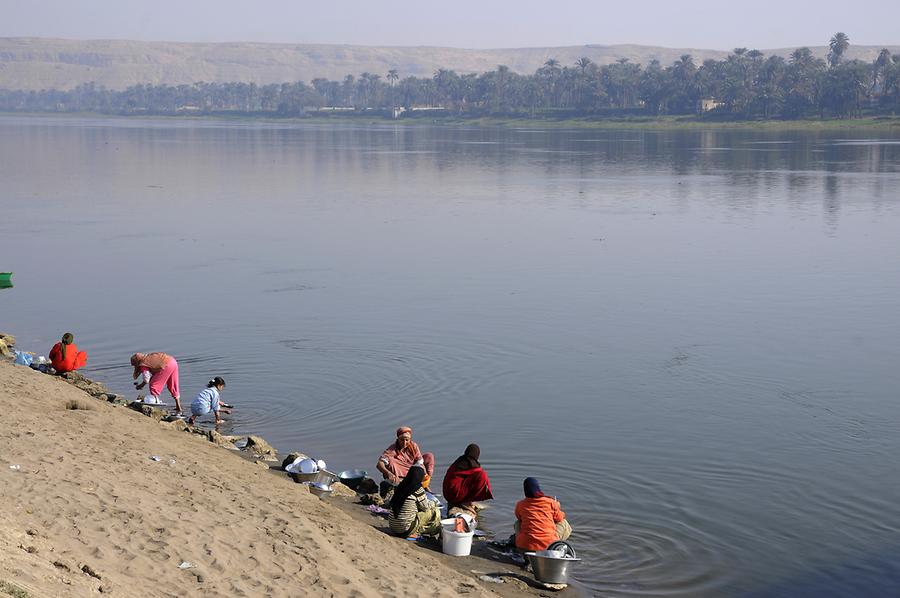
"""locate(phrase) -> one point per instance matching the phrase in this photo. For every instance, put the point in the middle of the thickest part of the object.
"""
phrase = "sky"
(712, 24)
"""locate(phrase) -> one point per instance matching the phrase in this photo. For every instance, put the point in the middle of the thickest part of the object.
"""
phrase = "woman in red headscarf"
(466, 483)
(65, 356)
(402, 454)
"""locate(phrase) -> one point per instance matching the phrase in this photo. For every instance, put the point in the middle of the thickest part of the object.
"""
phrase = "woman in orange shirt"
(65, 356)
(539, 520)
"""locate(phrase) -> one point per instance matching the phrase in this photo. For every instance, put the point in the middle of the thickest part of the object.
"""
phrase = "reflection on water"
(689, 337)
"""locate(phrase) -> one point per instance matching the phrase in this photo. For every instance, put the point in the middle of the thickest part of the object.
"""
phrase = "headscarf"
(406, 487)
(469, 459)
(67, 339)
(411, 448)
(532, 488)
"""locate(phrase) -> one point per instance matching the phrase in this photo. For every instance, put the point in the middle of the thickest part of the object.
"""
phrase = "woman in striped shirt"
(412, 514)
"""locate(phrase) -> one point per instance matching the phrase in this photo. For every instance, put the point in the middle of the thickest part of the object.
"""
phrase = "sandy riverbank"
(88, 512)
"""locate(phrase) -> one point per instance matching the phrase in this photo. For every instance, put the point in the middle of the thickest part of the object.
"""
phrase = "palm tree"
(621, 81)
(880, 66)
(838, 45)
(392, 77)
(754, 54)
(891, 83)
(446, 83)
(801, 56)
(769, 84)
(582, 90)
(373, 88)
(802, 82)
(348, 91)
(501, 85)
(684, 67)
(583, 63)
(548, 76)
(684, 92)
(362, 86)
(654, 87)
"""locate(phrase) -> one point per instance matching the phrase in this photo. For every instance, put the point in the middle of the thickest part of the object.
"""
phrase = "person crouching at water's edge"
(466, 483)
(161, 371)
(412, 513)
(65, 356)
(402, 454)
(208, 400)
(539, 519)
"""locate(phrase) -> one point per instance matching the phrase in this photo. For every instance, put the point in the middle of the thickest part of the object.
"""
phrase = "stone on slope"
(258, 446)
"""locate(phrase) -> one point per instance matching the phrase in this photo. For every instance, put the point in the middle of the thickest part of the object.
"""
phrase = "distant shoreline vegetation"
(746, 86)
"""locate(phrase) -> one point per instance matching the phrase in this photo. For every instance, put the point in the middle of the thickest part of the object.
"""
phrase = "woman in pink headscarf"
(403, 453)
(161, 371)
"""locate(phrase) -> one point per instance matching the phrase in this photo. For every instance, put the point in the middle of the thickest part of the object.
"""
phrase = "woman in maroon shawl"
(466, 483)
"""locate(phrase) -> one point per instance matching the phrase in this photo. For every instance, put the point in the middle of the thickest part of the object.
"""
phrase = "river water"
(690, 338)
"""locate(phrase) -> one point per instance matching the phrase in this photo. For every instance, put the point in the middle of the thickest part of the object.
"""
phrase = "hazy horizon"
(441, 46)
(471, 25)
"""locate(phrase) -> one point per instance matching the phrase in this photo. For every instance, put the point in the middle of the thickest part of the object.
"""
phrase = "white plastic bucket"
(453, 542)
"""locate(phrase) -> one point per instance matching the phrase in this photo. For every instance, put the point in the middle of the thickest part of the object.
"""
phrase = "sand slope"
(89, 513)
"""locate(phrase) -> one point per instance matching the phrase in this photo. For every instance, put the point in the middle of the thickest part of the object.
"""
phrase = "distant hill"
(40, 63)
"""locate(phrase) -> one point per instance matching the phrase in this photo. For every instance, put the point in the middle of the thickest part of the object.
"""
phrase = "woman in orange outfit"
(539, 520)
(65, 356)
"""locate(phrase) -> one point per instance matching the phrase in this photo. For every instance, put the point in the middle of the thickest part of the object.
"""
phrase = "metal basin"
(352, 478)
(551, 566)
(320, 477)
(323, 491)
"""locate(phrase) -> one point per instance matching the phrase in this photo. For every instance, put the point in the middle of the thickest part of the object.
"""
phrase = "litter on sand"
(156, 458)
(186, 565)
(491, 578)
(15, 467)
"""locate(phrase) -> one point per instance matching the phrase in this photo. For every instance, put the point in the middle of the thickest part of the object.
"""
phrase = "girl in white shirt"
(208, 400)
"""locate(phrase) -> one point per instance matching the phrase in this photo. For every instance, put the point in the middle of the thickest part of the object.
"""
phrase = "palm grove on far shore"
(745, 85)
